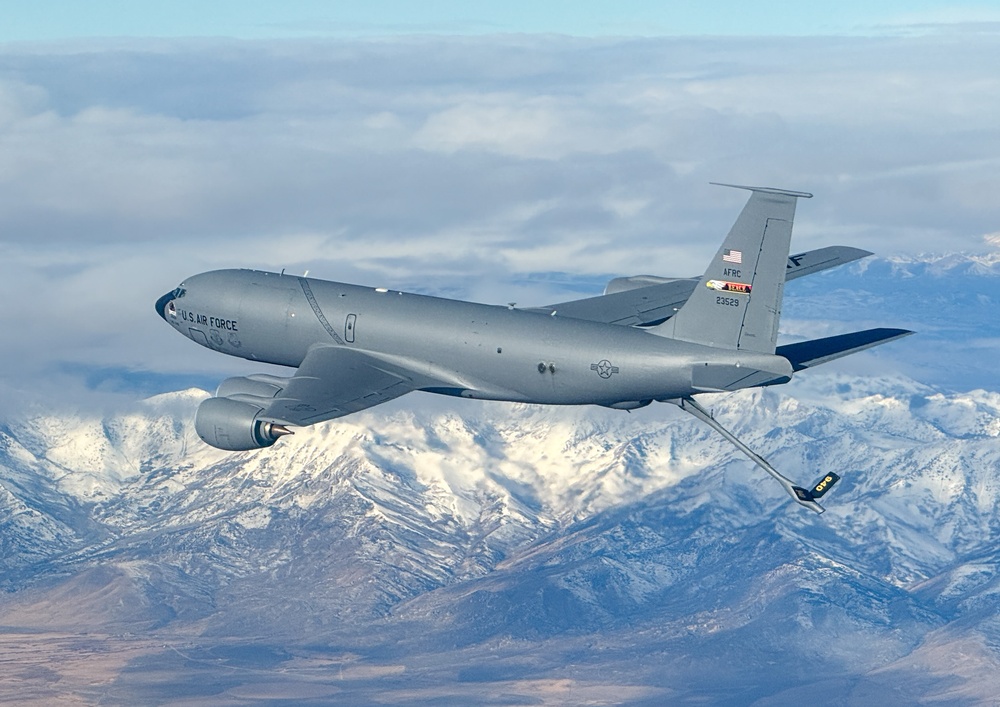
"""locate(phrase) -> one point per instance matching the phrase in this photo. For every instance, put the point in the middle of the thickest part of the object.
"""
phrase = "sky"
(55, 20)
(498, 152)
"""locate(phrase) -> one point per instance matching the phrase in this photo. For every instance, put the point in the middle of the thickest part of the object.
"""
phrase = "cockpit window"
(179, 292)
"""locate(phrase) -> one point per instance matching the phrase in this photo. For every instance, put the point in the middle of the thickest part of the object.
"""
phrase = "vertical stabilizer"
(737, 303)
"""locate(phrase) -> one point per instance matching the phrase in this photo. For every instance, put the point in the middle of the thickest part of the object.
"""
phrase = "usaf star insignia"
(604, 368)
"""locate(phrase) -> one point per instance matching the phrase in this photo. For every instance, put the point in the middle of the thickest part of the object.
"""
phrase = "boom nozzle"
(804, 497)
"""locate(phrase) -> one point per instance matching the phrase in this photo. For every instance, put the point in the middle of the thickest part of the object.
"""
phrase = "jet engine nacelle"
(635, 282)
(233, 425)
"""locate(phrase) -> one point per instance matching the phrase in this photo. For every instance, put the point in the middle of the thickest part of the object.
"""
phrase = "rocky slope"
(434, 551)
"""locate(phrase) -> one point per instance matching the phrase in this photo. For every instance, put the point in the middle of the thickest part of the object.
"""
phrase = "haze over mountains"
(445, 552)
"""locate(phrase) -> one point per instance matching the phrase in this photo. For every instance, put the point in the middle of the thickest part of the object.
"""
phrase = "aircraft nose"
(161, 304)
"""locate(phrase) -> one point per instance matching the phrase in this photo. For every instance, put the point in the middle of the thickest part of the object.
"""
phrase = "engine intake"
(233, 425)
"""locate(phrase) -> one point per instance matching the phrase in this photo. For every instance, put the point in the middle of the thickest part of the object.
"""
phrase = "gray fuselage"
(462, 348)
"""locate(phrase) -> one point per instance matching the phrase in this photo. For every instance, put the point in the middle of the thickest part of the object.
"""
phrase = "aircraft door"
(349, 327)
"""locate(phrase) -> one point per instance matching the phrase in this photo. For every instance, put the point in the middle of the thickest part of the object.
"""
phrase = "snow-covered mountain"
(529, 527)
(949, 300)
(433, 551)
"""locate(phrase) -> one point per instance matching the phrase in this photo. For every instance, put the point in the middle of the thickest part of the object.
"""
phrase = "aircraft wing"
(334, 381)
(642, 306)
(647, 305)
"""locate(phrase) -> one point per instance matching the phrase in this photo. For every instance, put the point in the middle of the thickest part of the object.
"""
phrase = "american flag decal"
(732, 256)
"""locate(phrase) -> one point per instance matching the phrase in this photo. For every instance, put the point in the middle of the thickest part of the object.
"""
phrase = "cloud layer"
(465, 166)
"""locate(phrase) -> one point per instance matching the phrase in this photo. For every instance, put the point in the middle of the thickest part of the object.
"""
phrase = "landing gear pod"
(233, 425)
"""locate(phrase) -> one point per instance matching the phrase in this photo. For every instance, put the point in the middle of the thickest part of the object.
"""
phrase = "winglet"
(766, 190)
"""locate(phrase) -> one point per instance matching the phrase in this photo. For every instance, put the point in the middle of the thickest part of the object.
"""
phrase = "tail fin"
(737, 303)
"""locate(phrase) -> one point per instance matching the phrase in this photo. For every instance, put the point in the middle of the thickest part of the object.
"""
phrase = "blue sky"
(55, 20)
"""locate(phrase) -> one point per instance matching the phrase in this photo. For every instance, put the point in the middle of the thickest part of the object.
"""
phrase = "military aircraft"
(645, 339)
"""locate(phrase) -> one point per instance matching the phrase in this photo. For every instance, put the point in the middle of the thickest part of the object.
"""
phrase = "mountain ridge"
(433, 550)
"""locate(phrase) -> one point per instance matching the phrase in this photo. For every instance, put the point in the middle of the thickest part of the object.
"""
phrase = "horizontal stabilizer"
(807, 354)
(814, 261)
(638, 282)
